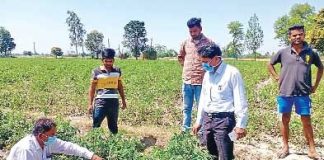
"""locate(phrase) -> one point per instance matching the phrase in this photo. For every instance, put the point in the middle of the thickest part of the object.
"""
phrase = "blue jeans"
(108, 109)
(189, 92)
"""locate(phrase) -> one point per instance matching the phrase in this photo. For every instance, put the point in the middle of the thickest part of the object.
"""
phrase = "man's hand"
(313, 89)
(277, 78)
(95, 157)
(90, 109)
(181, 60)
(124, 106)
(196, 128)
(240, 132)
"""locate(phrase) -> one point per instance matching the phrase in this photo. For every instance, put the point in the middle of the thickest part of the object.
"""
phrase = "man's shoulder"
(116, 69)
(232, 69)
(25, 143)
(286, 49)
(208, 39)
(186, 41)
(97, 69)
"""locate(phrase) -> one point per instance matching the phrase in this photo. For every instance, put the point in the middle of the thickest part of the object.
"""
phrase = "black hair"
(296, 27)
(192, 22)
(43, 125)
(209, 51)
(108, 53)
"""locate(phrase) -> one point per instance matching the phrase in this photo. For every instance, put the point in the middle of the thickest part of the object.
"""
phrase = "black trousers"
(216, 129)
(110, 110)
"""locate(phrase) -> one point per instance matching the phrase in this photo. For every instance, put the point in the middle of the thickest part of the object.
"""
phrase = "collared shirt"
(223, 91)
(193, 72)
(107, 82)
(295, 76)
(29, 149)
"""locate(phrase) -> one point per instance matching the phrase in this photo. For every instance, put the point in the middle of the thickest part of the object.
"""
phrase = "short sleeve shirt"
(107, 82)
(295, 76)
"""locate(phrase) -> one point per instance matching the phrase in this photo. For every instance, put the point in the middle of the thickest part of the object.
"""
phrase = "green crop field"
(30, 87)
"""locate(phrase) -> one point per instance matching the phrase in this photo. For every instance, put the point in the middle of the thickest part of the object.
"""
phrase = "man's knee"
(306, 120)
(285, 118)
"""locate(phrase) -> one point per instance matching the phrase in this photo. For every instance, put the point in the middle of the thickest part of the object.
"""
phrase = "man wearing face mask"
(222, 99)
(42, 143)
(192, 73)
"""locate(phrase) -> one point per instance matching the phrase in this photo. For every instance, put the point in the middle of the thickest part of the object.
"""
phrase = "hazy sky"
(43, 21)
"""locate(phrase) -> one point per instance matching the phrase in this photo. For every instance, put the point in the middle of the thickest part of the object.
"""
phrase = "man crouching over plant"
(105, 85)
(222, 99)
(43, 143)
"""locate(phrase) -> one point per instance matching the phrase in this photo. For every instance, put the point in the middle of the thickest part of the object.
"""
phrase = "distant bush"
(27, 53)
(56, 51)
(150, 53)
(124, 55)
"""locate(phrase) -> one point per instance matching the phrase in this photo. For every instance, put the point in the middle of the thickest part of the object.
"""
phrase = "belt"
(107, 96)
(220, 114)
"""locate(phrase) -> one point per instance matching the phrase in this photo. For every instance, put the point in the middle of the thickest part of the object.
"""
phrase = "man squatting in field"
(42, 144)
(193, 73)
(105, 85)
(295, 85)
(222, 99)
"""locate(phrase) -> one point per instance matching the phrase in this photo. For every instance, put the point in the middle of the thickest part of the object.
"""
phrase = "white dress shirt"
(29, 149)
(223, 91)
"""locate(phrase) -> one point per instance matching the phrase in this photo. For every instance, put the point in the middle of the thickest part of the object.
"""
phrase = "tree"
(56, 51)
(94, 42)
(316, 35)
(163, 51)
(135, 37)
(254, 35)
(228, 51)
(6, 42)
(150, 53)
(27, 53)
(76, 30)
(299, 14)
(236, 30)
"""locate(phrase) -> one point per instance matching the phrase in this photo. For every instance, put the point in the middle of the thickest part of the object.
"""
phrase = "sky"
(43, 21)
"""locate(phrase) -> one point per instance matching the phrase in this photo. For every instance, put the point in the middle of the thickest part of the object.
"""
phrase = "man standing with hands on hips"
(222, 99)
(295, 85)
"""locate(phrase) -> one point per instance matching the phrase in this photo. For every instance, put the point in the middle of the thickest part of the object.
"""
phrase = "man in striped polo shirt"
(106, 84)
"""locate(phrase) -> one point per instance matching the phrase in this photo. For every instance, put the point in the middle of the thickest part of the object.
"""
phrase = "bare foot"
(283, 153)
(313, 155)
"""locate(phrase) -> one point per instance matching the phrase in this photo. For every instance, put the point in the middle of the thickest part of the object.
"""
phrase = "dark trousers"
(216, 129)
(110, 110)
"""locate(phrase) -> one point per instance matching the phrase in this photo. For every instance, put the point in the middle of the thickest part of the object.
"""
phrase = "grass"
(58, 87)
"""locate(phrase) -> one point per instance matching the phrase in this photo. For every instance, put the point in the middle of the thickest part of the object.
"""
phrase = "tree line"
(135, 39)
(252, 39)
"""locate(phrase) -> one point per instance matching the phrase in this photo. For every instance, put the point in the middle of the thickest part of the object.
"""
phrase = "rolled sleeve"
(182, 51)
